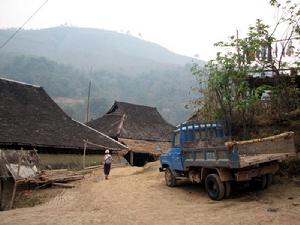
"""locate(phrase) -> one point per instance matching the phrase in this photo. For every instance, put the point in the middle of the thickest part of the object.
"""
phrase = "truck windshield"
(176, 139)
(198, 132)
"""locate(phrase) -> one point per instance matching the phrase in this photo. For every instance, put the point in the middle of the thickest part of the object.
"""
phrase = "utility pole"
(88, 102)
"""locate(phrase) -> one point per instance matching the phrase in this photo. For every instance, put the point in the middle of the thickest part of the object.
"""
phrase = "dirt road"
(139, 196)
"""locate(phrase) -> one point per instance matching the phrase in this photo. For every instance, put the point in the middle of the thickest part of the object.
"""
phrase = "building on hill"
(141, 128)
(30, 119)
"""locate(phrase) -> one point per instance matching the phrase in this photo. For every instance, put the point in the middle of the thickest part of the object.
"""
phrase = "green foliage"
(224, 87)
(291, 167)
(226, 95)
(259, 90)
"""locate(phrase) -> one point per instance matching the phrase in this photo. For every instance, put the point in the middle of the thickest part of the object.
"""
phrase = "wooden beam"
(13, 195)
(121, 125)
(1, 198)
(131, 158)
(103, 147)
(84, 150)
(88, 103)
(63, 185)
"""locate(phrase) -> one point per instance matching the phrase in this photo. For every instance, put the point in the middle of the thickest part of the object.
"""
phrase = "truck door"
(177, 163)
(177, 159)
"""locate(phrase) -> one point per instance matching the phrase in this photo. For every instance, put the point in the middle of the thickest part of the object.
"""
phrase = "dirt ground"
(139, 196)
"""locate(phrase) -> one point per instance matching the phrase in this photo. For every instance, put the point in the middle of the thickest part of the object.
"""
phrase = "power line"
(12, 36)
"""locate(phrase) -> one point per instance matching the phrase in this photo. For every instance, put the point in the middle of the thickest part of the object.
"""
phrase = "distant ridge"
(64, 60)
(91, 48)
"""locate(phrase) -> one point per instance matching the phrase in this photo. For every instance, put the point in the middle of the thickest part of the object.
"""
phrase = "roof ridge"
(19, 82)
(134, 104)
(113, 114)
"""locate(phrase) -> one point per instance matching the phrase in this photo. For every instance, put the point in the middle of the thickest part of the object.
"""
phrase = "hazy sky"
(186, 27)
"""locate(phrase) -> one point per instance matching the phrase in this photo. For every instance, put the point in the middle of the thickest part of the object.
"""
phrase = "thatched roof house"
(139, 127)
(29, 118)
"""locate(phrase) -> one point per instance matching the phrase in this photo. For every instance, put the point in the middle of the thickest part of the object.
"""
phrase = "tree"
(225, 93)
(224, 81)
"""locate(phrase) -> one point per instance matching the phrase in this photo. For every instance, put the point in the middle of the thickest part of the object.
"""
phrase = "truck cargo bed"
(242, 154)
(262, 158)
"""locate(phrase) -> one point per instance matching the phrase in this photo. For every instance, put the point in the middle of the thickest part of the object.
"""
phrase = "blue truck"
(201, 152)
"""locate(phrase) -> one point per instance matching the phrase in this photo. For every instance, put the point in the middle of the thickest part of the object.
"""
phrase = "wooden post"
(1, 183)
(88, 103)
(19, 161)
(131, 158)
(84, 150)
(13, 195)
(119, 157)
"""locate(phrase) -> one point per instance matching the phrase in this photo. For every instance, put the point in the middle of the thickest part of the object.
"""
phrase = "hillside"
(121, 67)
(168, 91)
(93, 48)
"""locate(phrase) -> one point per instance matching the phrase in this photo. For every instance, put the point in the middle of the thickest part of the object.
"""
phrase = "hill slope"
(166, 90)
(93, 48)
(121, 67)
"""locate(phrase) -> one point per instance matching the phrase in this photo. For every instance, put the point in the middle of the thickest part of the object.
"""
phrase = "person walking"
(107, 163)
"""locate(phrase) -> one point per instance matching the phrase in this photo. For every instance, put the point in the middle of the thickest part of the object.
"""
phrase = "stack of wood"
(19, 167)
(57, 177)
(281, 143)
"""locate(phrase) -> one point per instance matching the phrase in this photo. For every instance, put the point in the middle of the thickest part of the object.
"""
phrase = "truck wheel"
(259, 183)
(214, 187)
(227, 189)
(269, 179)
(170, 178)
(263, 184)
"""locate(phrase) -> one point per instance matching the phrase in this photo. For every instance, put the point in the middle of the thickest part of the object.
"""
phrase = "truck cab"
(191, 135)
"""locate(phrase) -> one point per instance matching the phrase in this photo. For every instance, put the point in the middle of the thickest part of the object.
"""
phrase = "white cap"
(107, 151)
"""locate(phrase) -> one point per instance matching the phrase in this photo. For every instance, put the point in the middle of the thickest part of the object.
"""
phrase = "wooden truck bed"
(244, 153)
(262, 158)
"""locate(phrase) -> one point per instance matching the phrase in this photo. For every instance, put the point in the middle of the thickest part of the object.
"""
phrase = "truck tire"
(263, 184)
(269, 179)
(214, 187)
(227, 189)
(170, 178)
(259, 183)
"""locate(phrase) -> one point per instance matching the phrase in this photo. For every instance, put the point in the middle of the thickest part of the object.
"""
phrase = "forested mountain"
(93, 48)
(121, 67)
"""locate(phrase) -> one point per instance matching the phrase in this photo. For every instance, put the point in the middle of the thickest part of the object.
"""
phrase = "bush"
(291, 167)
